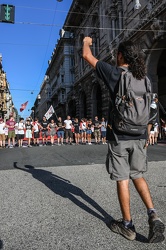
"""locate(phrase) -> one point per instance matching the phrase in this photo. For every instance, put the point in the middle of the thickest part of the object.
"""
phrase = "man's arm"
(87, 53)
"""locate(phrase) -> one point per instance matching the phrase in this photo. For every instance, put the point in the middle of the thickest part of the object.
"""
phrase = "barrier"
(40, 137)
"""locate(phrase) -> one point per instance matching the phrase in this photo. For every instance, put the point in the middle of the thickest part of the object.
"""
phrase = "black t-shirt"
(28, 126)
(76, 127)
(44, 124)
(60, 126)
(111, 76)
(96, 124)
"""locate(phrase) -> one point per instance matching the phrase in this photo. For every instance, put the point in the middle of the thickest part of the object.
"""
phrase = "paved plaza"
(67, 206)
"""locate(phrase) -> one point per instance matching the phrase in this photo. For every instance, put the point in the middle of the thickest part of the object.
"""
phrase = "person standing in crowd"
(76, 131)
(153, 112)
(11, 131)
(103, 130)
(97, 131)
(156, 132)
(163, 128)
(68, 132)
(44, 129)
(60, 131)
(36, 131)
(89, 131)
(151, 136)
(2, 133)
(16, 136)
(29, 128)
(83, 130)
(127, 154)
(52, 127)
(20, 126)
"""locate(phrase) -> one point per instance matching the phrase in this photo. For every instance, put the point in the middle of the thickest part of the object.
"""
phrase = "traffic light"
(7, 13)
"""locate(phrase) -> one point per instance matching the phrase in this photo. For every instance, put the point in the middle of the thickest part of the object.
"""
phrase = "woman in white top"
(20, 126)
(83, 127)
(2, 133)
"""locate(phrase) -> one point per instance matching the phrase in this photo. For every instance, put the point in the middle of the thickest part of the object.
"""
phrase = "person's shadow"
(1, 244)
(66, 189)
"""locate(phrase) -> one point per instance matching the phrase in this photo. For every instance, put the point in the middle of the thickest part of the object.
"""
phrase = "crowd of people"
(156, 132)
(61, 132)
(47, 132)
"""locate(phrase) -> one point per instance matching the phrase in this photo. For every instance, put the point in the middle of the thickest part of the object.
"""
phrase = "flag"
(23, 106)
(50, 112)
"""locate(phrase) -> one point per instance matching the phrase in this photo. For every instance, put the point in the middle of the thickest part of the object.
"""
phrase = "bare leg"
(143, 190)
(124, 198)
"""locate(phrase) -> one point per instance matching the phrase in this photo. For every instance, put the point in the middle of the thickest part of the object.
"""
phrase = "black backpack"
(131, 109)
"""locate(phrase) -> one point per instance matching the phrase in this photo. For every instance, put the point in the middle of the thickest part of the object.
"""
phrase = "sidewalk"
(66, 208)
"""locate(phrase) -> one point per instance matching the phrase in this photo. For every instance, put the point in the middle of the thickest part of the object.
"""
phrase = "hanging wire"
(82, 13)
(78, 27)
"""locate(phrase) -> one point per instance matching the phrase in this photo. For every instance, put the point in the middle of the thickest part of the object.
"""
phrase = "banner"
(50, 112)
(23, 106)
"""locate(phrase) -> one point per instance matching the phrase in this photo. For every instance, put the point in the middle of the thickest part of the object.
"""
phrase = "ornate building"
(108, 22)
(59, 79)
(6, 103)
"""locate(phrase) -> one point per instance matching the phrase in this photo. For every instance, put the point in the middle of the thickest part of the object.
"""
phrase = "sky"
(27, 45)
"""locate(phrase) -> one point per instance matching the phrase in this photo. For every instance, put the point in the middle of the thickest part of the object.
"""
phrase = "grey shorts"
(126, 160)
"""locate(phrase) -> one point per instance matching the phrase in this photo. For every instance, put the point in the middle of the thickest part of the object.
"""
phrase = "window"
(62, 78)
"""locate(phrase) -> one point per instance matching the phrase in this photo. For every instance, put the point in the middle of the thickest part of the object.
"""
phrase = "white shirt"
(20, 126)
(2, 126)
(156, 128)
(36, 127)
(68, 124)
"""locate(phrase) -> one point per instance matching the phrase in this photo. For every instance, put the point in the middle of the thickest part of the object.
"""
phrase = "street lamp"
(39, 97)
(137, 5)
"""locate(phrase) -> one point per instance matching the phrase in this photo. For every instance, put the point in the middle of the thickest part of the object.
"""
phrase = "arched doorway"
(97, 101)
(161, 72)
(83, 105)
(72, 108)
(157, 72)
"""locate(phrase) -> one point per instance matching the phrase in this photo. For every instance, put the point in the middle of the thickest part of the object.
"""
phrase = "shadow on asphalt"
(1, 244)
(66, 189)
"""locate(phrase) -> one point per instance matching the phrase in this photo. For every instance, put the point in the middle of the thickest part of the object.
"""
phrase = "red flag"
(23, 106)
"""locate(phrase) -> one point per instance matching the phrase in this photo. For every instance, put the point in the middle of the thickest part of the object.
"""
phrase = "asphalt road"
(66, 155)
(60, 198)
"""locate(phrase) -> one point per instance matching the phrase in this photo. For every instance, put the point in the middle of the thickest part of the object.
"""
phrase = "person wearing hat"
(2, 133)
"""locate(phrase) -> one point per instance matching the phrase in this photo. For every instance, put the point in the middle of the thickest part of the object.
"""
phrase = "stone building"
(6, 102)
(108, 22)
(59, 79)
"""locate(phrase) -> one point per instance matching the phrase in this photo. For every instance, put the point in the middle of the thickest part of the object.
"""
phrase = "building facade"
(59, 79)
(6, 102)
(108, 22)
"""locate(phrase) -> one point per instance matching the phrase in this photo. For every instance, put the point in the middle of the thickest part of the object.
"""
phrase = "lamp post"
(38, 98)
(137, 5)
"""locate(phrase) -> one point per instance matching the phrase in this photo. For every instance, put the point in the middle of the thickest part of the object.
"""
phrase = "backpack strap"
(122, 81)
(148, 85)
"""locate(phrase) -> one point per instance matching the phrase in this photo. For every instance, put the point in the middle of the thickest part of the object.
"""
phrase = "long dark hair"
(134, 58)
